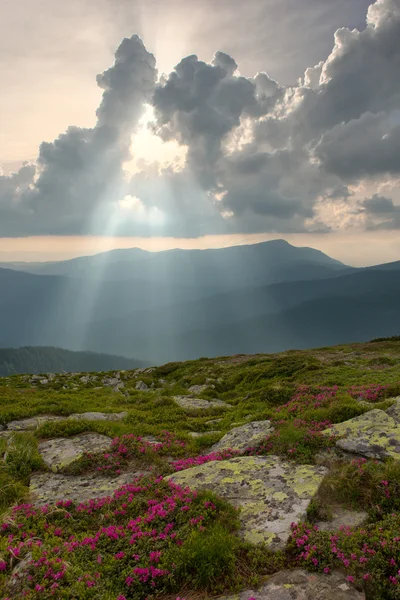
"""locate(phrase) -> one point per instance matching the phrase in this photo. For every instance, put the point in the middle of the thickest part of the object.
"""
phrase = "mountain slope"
(174, 331)
(235, 266)
(49, 359)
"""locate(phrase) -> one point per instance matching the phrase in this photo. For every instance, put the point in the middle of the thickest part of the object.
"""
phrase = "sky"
(175, 123)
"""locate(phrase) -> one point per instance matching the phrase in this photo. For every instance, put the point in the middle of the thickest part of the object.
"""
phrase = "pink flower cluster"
(186, 463)
(139, 523)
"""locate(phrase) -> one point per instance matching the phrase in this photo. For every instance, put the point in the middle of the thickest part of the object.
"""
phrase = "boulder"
(98, 416)
(394, 410)
(374, 434)
(343, 518)
(271, 493)
(48, 488)
(189, 403)
(60, 453)
(301, 585)
(246, 436)
(197, 434)
(32, 422)
(198, 389)
(141, 386)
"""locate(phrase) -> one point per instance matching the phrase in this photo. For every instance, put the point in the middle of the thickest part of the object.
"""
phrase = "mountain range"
(183, 304)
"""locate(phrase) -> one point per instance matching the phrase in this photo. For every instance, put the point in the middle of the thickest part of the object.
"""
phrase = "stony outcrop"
(197, 434)
(394, 410)
(343, 518)
(246, 436)
(35, 422)
(300, 585)
(198, 389)
(189, 403)
(60, 453)
(141, 386)
(375, 434)
(271, 493)
(48, 488)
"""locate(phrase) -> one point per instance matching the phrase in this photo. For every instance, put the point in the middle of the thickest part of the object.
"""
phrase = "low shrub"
(148, 538)
(370, 556)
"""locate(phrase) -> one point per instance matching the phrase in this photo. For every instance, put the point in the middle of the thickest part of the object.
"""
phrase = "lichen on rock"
(300, 585)
(374, 434)
(246, 436)
(270, 493)
(59, 453)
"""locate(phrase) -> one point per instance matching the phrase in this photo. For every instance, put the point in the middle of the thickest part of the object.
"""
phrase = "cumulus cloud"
(83, 168)
(259, 156)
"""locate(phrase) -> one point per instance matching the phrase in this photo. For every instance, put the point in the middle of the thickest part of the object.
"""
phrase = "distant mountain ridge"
(182, 304)
(15, 361)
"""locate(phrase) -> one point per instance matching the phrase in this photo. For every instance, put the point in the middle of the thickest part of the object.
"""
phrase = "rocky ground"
(303, 447)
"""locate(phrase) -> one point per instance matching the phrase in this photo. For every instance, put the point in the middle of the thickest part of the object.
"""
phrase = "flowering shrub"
(129, 447)
(297, 440)
(132, 544)
(369, 556)
(186, 463)
(370, 393)
(307, 397)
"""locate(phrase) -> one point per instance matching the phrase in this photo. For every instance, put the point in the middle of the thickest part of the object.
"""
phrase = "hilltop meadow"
(159, 536)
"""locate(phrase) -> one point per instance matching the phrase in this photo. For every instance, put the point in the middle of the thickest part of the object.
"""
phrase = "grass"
(301, 392)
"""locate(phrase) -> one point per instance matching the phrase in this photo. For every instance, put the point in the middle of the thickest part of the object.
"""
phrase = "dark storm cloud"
(381, 213)
(260, 156)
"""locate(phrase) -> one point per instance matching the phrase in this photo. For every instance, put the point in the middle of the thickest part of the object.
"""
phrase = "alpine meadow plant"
(145, 539)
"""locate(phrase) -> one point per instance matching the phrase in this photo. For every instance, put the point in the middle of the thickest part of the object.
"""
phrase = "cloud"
(380, 213)
(82, 170)
(260, 156)
(362, 148)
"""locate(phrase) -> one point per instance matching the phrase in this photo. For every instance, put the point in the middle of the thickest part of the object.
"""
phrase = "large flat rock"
(394, 410)
(60, 453)
(189, 403)
(246, 436)
(270, 493)
(48, 488)
(35, 422)
(373, 435)
(300, 585)
(32, 422)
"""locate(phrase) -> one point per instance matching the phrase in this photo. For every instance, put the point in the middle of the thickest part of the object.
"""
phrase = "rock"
(343, 518)
(141, 386)
(44, 381)
(196, 434)
(271, 493)
(85, 379)
(198, 389)
(60, 453)
(1, 427)
(16, 581)
(98, 416)
(301, 585)
(394, 410)
(162, 381)
(246, 436)
(198, 404)
(114, 382)
(33, 422)
(213, 421)
(374, 434)
(48, 488)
